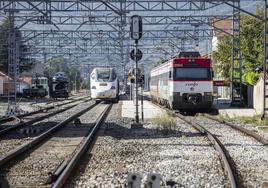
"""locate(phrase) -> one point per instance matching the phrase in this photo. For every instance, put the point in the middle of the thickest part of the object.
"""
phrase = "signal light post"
(136, 55)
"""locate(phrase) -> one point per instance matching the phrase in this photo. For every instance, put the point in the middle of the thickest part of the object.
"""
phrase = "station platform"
(238, 112)
(225, 109)
(128, 109)
(150, 110)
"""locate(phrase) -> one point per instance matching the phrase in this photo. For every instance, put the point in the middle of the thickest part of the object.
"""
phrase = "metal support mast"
(121, 32)
(265, 84)
(136, 84)
(236, 88)
(13, 65)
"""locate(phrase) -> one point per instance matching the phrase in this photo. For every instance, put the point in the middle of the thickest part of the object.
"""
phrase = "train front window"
(103, 75)
(192, 74)
(113, 76)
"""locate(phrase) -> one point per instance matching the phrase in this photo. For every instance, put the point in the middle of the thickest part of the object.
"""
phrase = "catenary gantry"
(97, 28)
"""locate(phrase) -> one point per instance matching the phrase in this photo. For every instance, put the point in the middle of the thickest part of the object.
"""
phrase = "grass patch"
(253, 121)
(165, 123)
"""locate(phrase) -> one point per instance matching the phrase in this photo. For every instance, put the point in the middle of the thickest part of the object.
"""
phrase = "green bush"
(250, 78)
(165, 123)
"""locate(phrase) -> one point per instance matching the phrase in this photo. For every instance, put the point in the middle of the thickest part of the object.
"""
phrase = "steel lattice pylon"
(265, 84)
(236, 88)
(13, 66)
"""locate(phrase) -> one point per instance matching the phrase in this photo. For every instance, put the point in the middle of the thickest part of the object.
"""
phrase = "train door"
(170, 83)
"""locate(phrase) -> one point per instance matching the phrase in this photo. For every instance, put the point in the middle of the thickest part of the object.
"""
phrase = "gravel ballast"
(249, 156)
(23, 135)
(183, 157)
(36, 169)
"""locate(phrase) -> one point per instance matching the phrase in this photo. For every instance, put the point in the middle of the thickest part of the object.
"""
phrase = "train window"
(93, 76)
(192, 74)
(113, 76)
(169, 74)
(103, 75)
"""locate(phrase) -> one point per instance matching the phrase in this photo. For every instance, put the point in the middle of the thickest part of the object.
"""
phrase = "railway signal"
(136, 55)
(131, 77)
(141, 79)
(136, 27)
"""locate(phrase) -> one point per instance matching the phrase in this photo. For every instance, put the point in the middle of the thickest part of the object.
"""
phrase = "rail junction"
(81, 142)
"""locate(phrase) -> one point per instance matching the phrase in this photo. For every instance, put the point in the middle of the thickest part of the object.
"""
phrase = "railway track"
(183, 157)
(74, 98)
(49, 159)
(250, 133)
(247, 151)
(227, 164)
(17, 135)
(236, 148)
(42, 109)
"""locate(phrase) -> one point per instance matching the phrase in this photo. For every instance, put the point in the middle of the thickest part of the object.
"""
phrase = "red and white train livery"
(184, 83)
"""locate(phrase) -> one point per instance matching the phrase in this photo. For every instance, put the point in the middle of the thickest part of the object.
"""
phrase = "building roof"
(3, 74)
(6, 76)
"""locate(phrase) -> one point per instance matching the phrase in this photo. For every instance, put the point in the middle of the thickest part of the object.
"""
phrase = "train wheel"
(190, 113)
(115, 100)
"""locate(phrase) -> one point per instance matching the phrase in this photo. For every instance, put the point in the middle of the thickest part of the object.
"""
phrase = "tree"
(4, 46)
(60, 64)
(251, 50)
(85, 84)
(24, 63)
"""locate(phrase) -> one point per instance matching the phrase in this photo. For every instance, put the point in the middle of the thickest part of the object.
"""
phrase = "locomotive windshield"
(192, 74)
(103, 75)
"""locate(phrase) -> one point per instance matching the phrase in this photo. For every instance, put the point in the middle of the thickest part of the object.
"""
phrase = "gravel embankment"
(36, 169)
(250, 156)
(33, 105)
(261, 132)
(24, 106)
(184, 156)
(24, 135)
(33, 116)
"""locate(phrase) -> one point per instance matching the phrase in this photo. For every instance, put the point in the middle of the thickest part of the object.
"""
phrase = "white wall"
(258, 96)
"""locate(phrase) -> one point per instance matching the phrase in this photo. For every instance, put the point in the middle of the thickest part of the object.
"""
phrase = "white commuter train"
(104, 84)
(184, 83)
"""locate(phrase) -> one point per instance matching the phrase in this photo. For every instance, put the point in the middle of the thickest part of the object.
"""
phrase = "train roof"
(162, 65)
(40, 77)
(167, 63)
(189, 54)
(103, 68)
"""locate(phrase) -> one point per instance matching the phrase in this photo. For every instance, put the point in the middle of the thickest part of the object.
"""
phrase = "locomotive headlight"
(207, 93)
(93, 87)
(208, 96)
(113, 87)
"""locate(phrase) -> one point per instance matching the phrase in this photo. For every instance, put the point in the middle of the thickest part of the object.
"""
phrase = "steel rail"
(27, 123)
(10, 118)
(74, 161)
(69, 98)
(26, 147)
(250, 133)
(30, 122)
(215, 143)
